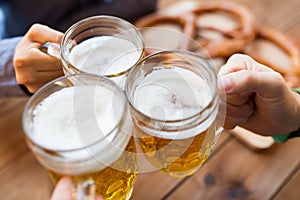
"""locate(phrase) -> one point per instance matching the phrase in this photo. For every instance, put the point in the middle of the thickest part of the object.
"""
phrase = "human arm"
(33, 67)
(258, 98)
(8, 83)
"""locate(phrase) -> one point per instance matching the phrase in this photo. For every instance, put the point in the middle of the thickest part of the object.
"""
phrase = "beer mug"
(103, 45)
(174, 105)
(79, 126)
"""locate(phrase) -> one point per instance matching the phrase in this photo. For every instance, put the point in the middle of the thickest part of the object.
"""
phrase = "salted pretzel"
(292, 72)
(233, 40)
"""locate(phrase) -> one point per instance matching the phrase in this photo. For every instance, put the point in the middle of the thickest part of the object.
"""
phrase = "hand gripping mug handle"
(51, 48)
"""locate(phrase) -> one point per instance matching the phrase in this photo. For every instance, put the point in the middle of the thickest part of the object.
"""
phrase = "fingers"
(231, 122)
(237, 78)
(239, 62)
(49, 35)
(35, 80)
(239, 99)
(237, 115)
(26, 56)
(33, 67)
(36, 36)
(266, 84)
(245, 110)
(63, 190)
(241, 77)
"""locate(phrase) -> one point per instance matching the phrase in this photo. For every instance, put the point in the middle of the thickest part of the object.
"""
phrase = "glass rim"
(141, 45)
(184, 52)
(48, 85)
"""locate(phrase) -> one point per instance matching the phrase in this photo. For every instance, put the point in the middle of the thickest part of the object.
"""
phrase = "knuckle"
(249, 76)
(35, 30)
(240, 57)
(278, 76)
(19, 62)
(279, 80)
(23, 78)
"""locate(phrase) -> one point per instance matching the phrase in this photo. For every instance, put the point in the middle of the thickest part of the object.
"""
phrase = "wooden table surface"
(232, 172)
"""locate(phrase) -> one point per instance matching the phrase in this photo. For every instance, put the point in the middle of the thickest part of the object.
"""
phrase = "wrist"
(297, 117)
(281, 138)
(297, 90)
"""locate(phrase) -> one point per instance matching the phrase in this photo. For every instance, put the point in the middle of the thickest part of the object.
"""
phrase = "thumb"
(63, 190)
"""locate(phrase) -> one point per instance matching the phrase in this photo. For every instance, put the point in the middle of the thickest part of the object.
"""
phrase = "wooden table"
(232, 172)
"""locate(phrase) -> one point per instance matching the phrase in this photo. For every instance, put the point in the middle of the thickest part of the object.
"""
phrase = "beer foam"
(75, 118)
(104, 55)
(171, 94)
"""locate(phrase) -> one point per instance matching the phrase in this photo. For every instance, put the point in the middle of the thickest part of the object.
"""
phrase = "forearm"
(297, 108)
(8, 83)
(295, 133)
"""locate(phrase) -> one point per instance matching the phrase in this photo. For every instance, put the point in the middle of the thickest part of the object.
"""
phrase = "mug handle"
(51, 48)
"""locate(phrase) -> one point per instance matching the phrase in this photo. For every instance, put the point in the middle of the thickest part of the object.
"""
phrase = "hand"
(33, 67)
(64, 190)
(258, 98)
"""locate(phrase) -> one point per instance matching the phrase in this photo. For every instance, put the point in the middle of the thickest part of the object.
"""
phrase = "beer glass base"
(183, 174)
(129, 194)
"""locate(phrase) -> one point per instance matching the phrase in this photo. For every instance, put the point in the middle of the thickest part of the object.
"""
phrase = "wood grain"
(25, 179)
(233, 171)
(239, 173)
(11, 133)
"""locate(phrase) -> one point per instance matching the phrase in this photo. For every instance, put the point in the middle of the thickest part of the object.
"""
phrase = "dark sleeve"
(20, 14)
(8, 83)
(129, 10)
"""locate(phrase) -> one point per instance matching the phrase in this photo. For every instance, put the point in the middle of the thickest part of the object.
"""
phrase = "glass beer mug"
(79, 126)
(102, 45)
(174, 107)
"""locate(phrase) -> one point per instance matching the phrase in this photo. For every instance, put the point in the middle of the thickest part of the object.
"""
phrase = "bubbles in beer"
(105, 55)
(179, 137)
(172, 94)
(76, 118)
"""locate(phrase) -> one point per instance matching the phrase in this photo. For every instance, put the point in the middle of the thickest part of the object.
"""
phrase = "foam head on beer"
(172, 93)
(76, 118)
(104, 55)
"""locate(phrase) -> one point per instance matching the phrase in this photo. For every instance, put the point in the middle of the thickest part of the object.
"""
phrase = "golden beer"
(174, 107)
(79, 126)
(178, 158)
(111, 183)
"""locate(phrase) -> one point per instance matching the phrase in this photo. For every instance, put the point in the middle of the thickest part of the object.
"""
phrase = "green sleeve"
(284, 137)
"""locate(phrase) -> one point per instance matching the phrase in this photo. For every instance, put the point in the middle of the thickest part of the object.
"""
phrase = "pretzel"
(233, 42)
(186, 22)
(291, 73)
